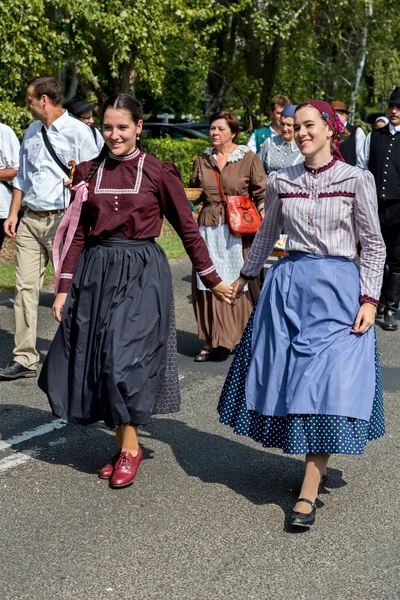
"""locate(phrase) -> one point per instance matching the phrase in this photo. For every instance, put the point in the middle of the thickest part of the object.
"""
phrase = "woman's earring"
(137, 137)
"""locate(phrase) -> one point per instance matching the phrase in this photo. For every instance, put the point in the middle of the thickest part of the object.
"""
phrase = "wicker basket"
(193, 194)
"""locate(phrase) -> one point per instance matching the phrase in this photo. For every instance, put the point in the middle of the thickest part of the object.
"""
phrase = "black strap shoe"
(16, 371)
(299, 519)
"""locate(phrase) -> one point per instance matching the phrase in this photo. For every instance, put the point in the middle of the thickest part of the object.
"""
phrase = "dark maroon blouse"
(128, 197)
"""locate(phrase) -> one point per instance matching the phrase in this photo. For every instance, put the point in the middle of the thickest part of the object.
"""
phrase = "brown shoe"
(108, 469)
(126, 468)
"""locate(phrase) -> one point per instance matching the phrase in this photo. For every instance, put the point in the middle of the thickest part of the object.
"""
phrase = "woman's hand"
(238, 286)
(222, 292)
(58, 306)
(365, 318)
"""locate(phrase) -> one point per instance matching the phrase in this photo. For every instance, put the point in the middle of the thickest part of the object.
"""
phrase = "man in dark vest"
(352, 145)
(381, 155)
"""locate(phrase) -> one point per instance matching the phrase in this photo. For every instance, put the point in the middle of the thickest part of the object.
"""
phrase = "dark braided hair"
(121, 102)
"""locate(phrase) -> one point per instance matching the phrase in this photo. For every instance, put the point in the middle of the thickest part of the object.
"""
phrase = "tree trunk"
(361, 61)
(269, 74)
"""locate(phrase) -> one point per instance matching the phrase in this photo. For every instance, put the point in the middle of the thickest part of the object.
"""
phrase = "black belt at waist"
(124, 242)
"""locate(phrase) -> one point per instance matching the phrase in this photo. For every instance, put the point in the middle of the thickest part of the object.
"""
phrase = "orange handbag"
(241, 214)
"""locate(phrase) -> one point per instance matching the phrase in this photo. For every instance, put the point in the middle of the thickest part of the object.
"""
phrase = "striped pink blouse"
(320, 209)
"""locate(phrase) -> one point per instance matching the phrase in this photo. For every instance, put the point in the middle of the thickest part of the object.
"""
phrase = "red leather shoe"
(126, 468)
(108, 469)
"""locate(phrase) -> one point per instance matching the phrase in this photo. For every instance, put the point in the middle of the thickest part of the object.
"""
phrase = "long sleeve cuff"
(209, 277)
(247, 277)
(365, 298)
(65, 283)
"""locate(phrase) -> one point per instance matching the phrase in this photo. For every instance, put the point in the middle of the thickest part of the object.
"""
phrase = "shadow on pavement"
(188, 343)
(7, 346)
(85, 449)
(256, 474)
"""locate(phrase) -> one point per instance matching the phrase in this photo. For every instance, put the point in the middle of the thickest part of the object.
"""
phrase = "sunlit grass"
(169, 240)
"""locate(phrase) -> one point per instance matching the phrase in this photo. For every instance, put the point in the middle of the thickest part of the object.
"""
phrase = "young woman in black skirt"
(114, 355)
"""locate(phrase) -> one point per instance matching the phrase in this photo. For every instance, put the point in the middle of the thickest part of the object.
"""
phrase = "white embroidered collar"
(127, 157)
(236, 155)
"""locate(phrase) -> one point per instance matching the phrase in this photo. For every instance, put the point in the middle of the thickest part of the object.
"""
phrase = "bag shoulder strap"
(52, 153)
(221, 191)
(8, 186)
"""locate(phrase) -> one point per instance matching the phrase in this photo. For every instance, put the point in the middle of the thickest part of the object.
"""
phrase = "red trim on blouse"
(365, 298)
(335, 194)
(294, 195)
(315, 170)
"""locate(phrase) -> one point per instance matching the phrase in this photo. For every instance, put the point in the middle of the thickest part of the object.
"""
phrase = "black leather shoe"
(205, 355)
(299, 519)
(16, 371)
(389, 320)
(380, 310)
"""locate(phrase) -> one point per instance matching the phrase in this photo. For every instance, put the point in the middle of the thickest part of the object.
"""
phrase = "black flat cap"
(78, 105)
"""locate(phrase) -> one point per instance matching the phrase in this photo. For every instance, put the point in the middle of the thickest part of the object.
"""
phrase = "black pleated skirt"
(113, 358)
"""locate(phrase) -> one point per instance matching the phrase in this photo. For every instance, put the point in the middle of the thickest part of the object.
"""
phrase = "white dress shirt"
(39, 177)
(9, 159)
(363, 156)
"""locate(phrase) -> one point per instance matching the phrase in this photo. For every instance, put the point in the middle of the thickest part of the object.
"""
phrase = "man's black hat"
(394, 96)
(78, 105)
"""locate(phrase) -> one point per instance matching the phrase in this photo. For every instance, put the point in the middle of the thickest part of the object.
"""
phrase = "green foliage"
(180, 152)
(195, 56)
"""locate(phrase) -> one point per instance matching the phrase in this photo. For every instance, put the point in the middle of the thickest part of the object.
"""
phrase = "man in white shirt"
(257, 138)
(381, 156)
(41, 184)
(352, 145)
(9, 159)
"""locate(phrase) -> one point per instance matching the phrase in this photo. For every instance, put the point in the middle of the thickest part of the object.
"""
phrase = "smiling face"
(120, 131)
(287, 130)
(220, 133)
(312, 135)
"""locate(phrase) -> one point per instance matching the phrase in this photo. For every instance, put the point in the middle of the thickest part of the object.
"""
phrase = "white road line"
(31, 433)
(16, 459)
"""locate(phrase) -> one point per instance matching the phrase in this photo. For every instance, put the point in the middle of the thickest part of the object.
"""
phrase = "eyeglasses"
(82, 118)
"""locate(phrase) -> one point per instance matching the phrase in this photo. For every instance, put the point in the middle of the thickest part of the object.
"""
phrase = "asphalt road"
(205, 518)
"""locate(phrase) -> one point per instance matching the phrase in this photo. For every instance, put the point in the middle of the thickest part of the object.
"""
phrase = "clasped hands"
(229, 293)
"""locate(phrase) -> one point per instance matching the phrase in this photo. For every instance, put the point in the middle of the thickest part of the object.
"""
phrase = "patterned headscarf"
(340, 133)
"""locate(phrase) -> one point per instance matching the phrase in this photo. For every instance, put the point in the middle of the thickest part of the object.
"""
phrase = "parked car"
(176, 132)
(202, 127)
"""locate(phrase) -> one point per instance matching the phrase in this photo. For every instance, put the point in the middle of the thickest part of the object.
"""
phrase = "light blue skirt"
(299, 380)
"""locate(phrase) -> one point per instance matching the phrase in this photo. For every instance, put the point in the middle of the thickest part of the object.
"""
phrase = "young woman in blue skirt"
(306, 375)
